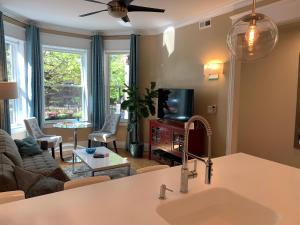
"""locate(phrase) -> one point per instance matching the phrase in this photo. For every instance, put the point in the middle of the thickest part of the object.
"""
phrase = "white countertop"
(134, 200)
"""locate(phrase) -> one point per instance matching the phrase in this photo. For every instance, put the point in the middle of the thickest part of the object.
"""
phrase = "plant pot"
(136, 150)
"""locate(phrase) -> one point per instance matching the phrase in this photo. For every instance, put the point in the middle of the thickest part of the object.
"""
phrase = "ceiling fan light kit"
(120, 8)
(117, 10)
(252, 37)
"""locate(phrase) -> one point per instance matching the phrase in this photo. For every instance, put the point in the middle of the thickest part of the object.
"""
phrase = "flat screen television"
(175, 104)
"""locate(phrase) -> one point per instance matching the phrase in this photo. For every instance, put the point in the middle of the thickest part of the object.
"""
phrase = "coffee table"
(113, 161)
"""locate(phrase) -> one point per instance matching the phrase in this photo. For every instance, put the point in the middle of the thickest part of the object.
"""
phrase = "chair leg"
(61, 152)
(115, 146)
(90, 143)
(53, 152)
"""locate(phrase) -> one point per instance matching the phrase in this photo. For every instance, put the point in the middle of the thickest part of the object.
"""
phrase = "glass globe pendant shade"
(252, 37)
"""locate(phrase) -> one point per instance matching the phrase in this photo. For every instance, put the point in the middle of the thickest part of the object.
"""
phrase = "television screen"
(175, 104)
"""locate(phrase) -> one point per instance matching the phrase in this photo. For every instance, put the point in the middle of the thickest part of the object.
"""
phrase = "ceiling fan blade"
(127, 2)
(126, 19)
(92, 13)
(135, 8)
(96, 2)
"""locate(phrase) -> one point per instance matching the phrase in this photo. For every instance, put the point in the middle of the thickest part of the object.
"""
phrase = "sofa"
(10, 159)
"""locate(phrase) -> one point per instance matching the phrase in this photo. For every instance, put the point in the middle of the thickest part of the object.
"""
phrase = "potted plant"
(138, 106)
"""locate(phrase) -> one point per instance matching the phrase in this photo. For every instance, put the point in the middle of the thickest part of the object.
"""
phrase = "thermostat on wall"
(212, 109)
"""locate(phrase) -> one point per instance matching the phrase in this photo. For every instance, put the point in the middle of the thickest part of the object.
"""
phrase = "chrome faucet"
(186, 174)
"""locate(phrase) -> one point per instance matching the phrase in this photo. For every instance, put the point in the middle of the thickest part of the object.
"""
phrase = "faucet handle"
(163, 189)
(208, 171)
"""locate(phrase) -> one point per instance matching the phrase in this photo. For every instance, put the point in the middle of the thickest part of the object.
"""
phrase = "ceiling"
(58, 14)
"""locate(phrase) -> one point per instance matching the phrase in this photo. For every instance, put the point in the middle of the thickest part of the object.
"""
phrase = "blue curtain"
(4, 110)
(98, 93)
(35, 72)
(133, 82)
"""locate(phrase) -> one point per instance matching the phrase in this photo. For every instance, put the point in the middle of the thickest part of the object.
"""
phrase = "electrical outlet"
(212, 109)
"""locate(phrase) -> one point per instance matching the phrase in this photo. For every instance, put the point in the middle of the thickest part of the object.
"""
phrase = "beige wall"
(184, 69)
(268, 95)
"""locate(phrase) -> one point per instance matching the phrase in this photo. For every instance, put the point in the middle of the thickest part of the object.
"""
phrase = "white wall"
(116, 45)
(14, 31)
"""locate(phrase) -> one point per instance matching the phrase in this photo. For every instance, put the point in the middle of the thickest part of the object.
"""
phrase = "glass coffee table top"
(72, 125)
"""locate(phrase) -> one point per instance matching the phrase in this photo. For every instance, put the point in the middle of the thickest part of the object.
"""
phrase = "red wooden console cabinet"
(169, 136)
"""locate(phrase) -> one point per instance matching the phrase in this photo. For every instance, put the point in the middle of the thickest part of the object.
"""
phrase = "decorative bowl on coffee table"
(90, 150)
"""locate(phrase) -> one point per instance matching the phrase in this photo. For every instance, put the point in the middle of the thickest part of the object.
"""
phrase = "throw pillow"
(35, 184)
(59, 174)
(28, 147)
(44, 186)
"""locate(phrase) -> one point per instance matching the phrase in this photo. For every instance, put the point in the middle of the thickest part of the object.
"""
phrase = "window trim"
(21, 104)
(84, 77)
(107, 78)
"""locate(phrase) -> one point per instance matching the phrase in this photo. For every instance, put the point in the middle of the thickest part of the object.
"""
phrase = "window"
(117, 75)
(18, 108)
(65, 83)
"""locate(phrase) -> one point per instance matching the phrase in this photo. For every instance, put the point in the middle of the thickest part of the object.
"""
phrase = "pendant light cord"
(253, 6)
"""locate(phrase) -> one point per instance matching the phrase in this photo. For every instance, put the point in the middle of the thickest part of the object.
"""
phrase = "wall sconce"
(213, 70)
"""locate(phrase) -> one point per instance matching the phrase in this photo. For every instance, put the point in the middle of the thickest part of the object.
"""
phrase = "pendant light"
(252, 37)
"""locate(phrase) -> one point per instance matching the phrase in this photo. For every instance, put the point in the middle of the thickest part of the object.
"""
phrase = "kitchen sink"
(216, 206)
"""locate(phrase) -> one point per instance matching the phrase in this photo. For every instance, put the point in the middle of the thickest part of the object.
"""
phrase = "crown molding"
(274, 11)
(220, 10)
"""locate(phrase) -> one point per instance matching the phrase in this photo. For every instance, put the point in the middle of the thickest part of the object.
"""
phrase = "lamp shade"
(8, 90)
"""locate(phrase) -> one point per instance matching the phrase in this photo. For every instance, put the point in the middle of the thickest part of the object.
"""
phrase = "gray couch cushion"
(7, 178)
(34, 184)
(42, 163)
(9, 148)
(25, 179)
(5, 160)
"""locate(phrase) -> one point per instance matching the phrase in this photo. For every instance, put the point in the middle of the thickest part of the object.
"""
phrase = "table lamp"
(8, 90)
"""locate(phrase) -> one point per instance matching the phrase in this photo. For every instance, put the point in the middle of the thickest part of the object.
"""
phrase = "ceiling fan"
(120, 8)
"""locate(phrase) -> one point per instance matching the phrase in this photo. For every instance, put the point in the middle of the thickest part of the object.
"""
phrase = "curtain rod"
(68, 34)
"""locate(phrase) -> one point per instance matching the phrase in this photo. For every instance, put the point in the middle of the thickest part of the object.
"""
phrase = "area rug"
(81, 168)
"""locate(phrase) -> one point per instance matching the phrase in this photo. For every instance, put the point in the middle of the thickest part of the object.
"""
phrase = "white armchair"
(53, 141)
(108, 132)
